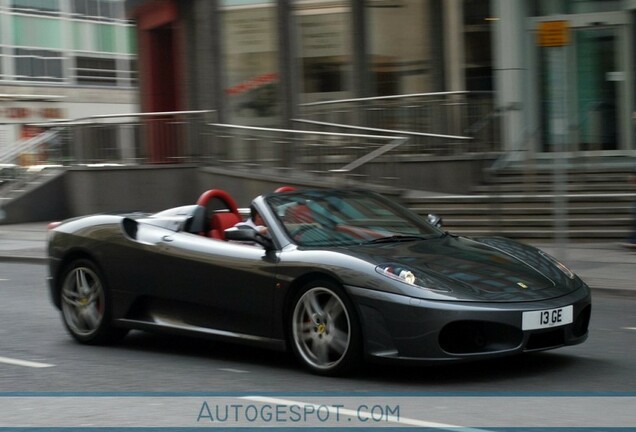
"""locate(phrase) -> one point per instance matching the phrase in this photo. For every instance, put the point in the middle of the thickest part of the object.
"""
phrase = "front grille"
(545, 340)
(474, 337)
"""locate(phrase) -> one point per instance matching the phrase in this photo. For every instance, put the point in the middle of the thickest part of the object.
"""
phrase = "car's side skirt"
(187, 329)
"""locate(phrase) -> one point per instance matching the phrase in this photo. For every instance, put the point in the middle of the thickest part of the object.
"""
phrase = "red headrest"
(207, 196)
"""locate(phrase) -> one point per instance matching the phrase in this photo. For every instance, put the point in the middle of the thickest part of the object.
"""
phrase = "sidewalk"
(603, 265)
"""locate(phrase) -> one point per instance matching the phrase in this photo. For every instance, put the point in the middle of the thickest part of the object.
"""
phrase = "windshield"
(347, 217)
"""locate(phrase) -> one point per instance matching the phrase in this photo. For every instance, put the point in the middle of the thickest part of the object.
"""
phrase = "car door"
(212, 283)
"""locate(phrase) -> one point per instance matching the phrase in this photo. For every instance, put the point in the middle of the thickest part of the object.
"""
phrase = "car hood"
(487, 269)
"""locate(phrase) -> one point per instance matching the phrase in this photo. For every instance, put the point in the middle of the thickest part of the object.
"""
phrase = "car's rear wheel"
(324, 330)
(85, 304)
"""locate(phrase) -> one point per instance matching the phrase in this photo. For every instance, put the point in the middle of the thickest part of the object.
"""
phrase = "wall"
(143, 188)
(80, 191)
(47, 202)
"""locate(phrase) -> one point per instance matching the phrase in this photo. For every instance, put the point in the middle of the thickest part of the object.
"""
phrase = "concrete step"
(413, 198)
(534, 234)
(479, 210)
(581, 188)
(520, 201)
(614, 222)
(543, 178)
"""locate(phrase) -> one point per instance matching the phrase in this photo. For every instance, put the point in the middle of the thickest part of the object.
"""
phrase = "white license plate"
(547, 318)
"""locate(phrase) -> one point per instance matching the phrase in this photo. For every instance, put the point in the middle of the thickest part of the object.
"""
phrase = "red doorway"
(159, 77)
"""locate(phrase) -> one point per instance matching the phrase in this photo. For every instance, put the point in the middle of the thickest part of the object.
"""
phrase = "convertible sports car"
(341, 276)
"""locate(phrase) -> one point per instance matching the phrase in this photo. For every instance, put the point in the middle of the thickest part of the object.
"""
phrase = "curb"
(23, 259)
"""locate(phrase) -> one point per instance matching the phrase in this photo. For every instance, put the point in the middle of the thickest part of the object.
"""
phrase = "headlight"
(569, 273)
(409, 276)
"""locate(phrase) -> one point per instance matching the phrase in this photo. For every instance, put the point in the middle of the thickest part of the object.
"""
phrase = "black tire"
(323, 329)
(85, 305)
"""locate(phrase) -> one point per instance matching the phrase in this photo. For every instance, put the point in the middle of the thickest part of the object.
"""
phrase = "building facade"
(561, 71)
(63, 59)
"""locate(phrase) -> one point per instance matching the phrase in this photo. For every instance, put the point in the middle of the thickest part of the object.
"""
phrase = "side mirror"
(248, 235)
(434, 220)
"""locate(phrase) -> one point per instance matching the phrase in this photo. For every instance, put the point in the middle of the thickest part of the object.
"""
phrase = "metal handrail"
(12, 153)
(83, 120)
(303, 132)
(389, 97)
(370, 156)
(392, 142)
(370, 129)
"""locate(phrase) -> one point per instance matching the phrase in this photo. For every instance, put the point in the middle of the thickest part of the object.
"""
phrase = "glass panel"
(132, 40)
(597, 88)
(554, 7)
(82, 39)
(92, 8)
(250, 54)
(400, 46)
(110, 9)
(80, 7)
(324, 45)
(42, 5)
(38, 65)
(37, 32)
(106, 40)
(478, 45)
(133, 74)
(242, 2)
(96, 71)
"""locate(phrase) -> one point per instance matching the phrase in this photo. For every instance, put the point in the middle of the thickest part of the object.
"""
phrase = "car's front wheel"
(324, 330)
(85, 304)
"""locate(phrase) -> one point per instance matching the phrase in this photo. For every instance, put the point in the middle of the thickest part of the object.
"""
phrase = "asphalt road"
(37, 355)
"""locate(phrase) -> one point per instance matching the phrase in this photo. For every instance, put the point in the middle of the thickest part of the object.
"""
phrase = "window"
(554, 7)
(132, 73)
(96, 71)
(108, 9)
(477, 45)
(106, 38)
(250, 56)
(324, 49)
(400, 46)
(45, 6)
(38, 65)
(37, 31)
(103, 37)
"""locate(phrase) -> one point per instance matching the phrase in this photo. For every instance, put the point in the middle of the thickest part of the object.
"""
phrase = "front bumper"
(397, 327)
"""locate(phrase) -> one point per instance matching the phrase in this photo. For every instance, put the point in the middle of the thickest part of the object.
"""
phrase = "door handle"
(167, 238)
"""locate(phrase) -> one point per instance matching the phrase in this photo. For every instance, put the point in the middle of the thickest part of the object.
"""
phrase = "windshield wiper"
(396, 238)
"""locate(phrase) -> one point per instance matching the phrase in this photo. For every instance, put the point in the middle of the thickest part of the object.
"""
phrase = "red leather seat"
(299, 214)
(222, 221)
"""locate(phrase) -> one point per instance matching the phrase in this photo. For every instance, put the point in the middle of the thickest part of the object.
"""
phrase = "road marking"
(629, 328)
(356, 414)
(234, 370)
(4, 280)
(25, 363)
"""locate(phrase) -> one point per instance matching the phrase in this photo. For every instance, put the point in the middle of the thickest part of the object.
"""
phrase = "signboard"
(553, 33)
